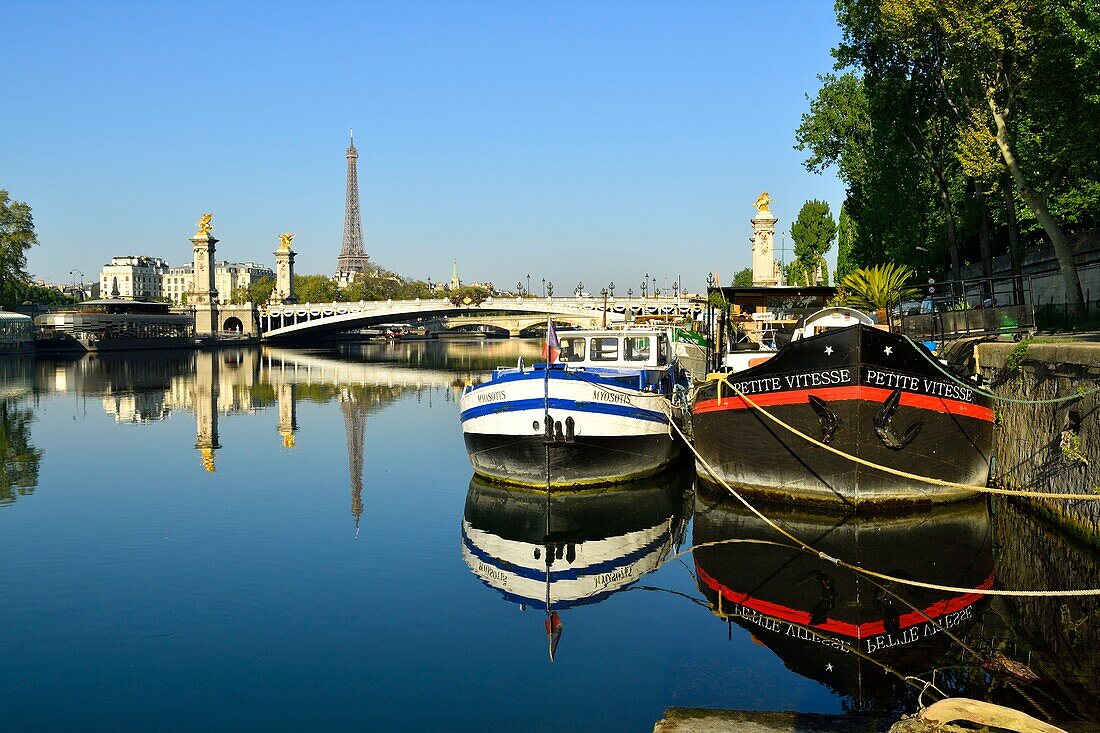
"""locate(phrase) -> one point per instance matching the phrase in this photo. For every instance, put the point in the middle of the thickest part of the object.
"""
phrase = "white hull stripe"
(555, 403)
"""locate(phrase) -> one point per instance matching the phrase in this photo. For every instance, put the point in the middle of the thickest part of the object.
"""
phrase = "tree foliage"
(878, 287)
(382, 284)
(845, 240)
(256, 293)
(468, 294)
(743, 278)
(958, 128)
(813, 233)
(378, 284)
(316, 289)
(16, 237)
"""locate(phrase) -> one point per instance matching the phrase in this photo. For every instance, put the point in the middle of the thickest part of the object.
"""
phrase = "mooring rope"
(898, 472)
(992, 395)
(805, 547)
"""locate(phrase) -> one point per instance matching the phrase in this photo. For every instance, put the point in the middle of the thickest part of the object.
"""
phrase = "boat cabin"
(830, 318)
(628, 349)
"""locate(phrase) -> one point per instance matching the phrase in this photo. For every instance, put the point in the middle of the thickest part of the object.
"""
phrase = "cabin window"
(662, 352)
(572, 349)
(636, 348)
(605, 349)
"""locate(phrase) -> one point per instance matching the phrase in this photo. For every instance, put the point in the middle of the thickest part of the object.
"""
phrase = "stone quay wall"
(1049, 448)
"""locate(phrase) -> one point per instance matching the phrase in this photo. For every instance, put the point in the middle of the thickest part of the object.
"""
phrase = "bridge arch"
(309, 320)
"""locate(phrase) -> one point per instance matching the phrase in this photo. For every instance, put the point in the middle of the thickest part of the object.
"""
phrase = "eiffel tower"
(353, 258)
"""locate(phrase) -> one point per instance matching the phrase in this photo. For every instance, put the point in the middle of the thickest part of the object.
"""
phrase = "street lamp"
(611, 287)
(519, 287)
(528, 291)
(550, 289)
(430, 292)
(77, 272)
(645, 284)
(544, 287)
(580, 288)
(630, 292)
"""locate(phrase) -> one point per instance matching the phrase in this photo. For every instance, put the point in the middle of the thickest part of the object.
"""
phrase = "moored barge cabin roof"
(765, 296)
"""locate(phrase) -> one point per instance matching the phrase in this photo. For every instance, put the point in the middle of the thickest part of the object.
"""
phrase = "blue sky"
(576, 141)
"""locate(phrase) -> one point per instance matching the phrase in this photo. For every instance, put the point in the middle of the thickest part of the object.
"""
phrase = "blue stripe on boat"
(558, 403)
(610, 378)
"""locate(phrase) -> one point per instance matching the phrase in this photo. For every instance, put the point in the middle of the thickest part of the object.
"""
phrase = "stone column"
(764, 266)
(284, 276)
(204, 297)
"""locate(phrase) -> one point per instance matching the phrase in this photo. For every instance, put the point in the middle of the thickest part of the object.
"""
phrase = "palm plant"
(877, 288)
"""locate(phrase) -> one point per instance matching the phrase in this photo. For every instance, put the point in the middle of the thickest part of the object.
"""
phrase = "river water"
(291, 539)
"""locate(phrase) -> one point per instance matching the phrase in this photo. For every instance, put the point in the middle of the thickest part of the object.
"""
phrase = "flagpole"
(546, 442)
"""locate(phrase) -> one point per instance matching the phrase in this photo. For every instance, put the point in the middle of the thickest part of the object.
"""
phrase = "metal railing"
(968, 308)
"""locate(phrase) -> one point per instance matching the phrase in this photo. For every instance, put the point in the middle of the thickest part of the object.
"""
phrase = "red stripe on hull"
(856, 631)
(870, 394)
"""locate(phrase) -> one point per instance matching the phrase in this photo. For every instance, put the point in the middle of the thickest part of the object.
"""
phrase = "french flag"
(552, 350)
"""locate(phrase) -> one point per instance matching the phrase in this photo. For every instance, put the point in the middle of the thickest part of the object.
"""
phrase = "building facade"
(228, 276)
(133, 276)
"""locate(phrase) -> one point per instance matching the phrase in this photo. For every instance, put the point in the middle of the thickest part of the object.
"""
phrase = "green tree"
(885, 184)
(316, 289)
(476, 295)
(743, 278)
(255, 293)
(845, 240)
(1010, 60)
(813, 233)
(16, 237)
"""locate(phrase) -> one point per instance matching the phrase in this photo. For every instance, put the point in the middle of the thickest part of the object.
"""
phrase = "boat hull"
(602, 429)
(585, 461)
(865, 392)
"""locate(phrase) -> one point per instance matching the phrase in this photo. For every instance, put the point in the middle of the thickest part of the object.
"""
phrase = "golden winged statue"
(763, 202)
(204, 223)
(285, 239)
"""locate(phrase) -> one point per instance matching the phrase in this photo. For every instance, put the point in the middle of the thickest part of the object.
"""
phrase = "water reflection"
(19, 459)
(285, 413)
(150, 387)
(573, 548)
(1060, 637)
(860, 637)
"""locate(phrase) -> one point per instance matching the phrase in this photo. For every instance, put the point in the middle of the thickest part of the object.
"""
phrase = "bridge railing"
(276, 317)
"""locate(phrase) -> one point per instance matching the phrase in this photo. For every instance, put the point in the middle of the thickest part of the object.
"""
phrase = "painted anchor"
(884, 430)
(830, 421)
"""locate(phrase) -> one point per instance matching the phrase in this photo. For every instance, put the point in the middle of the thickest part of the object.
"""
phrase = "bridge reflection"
(142, 389)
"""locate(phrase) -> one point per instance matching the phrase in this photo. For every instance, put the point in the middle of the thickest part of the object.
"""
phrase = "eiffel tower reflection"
(355, 421)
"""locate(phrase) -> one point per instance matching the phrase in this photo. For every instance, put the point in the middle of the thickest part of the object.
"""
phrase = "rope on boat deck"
(898, 472)
(805, 547)
(992, 395)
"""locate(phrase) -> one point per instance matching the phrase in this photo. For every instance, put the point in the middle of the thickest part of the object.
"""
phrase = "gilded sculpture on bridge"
(285, 240)
(204, 224)
(763, 204)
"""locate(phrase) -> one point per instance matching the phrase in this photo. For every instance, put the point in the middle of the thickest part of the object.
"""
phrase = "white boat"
(600, 415)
